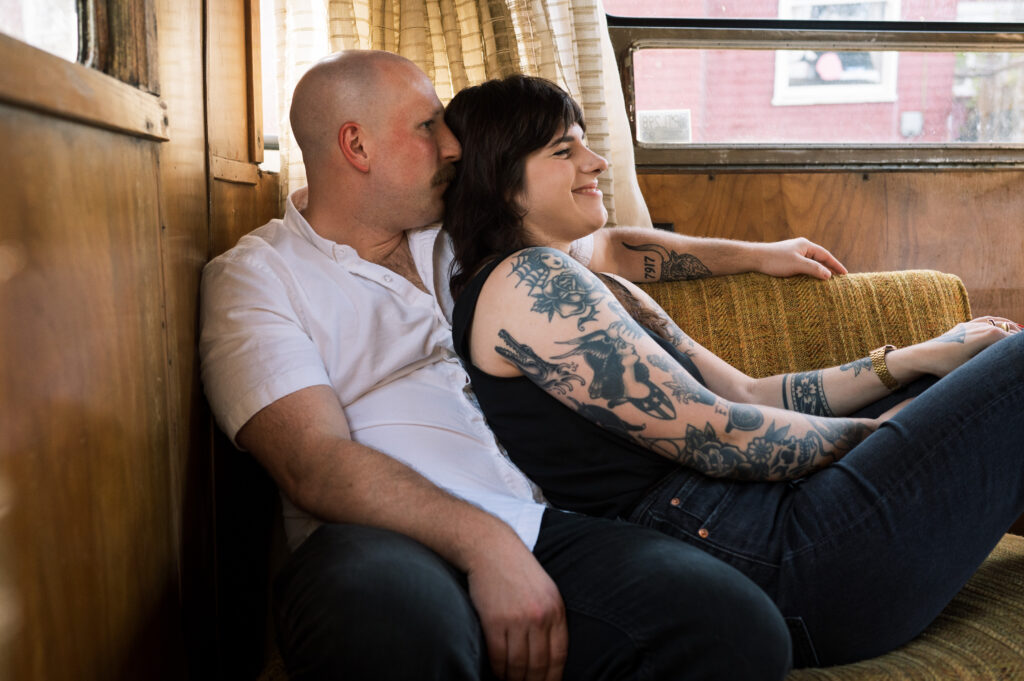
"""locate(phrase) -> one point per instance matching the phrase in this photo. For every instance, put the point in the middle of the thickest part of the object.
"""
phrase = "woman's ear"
(351, 140)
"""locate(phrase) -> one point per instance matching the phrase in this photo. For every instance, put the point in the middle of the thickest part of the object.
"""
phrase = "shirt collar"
(421, 239)
(294, 221)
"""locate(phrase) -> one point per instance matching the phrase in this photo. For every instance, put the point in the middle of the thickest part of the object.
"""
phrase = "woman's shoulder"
(538, 261)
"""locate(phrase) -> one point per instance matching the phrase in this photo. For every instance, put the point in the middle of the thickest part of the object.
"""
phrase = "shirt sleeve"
(583, 249)
(254, 348)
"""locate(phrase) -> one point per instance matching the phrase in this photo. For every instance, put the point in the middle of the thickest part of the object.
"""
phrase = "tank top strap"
(465, 306)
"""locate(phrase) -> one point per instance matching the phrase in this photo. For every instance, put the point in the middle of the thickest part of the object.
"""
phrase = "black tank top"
(580, 466)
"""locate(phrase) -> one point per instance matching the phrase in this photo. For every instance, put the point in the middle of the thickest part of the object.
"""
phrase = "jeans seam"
(702, 543)
(610, 619)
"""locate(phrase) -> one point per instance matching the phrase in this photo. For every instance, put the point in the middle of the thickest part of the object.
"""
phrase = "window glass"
(50, 25)
(825, 10)
(819, 95)
(268, 70)
(765, 96)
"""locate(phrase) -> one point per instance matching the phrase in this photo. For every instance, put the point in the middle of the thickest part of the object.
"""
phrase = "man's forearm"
(327, 474)
(646, 255)
(368, 487)
(304, 442)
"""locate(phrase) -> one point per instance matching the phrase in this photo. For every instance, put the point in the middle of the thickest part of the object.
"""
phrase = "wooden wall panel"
(967, 223)
(84, 403)
(184, 241)
(106, 441)
(249, 532)
(228, 67)
(241, 199)
(238, 208)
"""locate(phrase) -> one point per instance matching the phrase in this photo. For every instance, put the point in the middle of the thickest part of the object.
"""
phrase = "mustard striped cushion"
(766, 325)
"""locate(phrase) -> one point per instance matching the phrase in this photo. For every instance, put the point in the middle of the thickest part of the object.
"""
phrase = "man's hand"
(303, 440)
(798, 256)
(521, 613)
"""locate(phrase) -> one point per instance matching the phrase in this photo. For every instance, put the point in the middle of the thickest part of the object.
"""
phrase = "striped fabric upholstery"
(765, 325)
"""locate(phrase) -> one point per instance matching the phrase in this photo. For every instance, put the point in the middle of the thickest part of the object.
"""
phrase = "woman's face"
(560, 194)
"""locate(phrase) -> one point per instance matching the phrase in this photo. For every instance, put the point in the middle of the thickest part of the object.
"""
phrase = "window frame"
(631, 34)
(113, 85)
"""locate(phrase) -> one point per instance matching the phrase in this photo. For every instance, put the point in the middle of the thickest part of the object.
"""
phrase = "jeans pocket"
(722, 517)
(804, 654)
(690, 501)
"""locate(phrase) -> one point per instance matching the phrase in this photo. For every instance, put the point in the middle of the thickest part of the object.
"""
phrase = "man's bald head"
(346, 86)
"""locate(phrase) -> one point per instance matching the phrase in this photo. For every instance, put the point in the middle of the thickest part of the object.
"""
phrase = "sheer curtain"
(465, 42)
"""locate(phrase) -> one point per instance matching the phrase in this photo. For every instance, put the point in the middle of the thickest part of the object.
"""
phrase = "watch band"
(880, 368)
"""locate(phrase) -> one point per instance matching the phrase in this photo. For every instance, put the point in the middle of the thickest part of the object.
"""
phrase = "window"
(823, 82)
(832, 77)
(96, 57)
(268, 58)
(50, 25)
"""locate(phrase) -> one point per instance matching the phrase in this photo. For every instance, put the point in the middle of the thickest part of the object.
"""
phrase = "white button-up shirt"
(286, 309)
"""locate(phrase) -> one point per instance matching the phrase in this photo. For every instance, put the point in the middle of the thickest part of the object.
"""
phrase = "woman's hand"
(941, 355)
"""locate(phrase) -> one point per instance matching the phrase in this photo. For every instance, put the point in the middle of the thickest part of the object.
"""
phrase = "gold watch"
(880, 368)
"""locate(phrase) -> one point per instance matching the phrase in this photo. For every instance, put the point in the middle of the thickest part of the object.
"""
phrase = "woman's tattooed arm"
(567, 333)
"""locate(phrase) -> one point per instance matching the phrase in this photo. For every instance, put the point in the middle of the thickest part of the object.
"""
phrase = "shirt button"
(387, 278)
(674, 501)
(703, 533)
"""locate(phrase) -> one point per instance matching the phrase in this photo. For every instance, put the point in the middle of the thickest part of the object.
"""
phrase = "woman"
(861, 521)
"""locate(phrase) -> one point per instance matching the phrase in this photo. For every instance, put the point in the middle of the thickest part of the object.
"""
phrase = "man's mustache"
(444, 175)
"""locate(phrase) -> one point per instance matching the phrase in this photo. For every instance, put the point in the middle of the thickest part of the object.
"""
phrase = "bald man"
(419, 550)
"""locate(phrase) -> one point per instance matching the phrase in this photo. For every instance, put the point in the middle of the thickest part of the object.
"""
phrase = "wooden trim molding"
(255, 83)
(230, 170)
(34, 79)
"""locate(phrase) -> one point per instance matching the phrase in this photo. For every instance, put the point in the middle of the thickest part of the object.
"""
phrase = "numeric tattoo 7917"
(674, 266)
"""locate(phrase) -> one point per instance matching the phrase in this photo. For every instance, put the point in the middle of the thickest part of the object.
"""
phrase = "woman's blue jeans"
(861, 556)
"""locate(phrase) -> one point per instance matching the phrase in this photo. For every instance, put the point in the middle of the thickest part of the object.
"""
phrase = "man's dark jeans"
(362, 603)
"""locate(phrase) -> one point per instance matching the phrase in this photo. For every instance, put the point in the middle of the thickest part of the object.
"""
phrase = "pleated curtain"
(459, 43)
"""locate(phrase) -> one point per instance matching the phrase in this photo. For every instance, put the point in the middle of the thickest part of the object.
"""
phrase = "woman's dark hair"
(499, 124)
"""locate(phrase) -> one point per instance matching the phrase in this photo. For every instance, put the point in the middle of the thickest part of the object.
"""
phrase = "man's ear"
(351, 140)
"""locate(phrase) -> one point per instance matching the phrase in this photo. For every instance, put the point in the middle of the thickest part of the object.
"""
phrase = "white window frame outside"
(786, 94)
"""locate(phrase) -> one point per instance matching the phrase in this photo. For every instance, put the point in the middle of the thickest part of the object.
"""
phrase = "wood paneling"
(248, 517)
(239, 208)
(228, 67)
(106, 441)
(84, 404)
(254, 79)
(132, 43)
(38, 80)
(967, 223)
(184, 241)
(241, 199)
